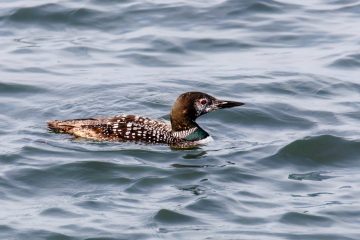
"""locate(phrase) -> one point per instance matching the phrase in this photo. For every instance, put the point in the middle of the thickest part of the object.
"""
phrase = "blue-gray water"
(284, 166)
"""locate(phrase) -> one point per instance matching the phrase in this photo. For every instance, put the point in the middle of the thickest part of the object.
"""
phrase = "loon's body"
(182, 132)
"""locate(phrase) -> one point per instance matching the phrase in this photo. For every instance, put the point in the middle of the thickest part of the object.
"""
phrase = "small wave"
(6, 229)
(146, 184)
(59, 213)
(82, 50)
(351, 61)
(148, 60)
(305, 219)
(17, 88)
(241, 8)
(313, 176)
(166, 216)
(319, 151)
(50, 15)
(96, 205)
(214, 44)
(156, 45)
(344, 6)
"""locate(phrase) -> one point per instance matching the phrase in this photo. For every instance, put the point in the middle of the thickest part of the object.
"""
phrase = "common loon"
(182, 132)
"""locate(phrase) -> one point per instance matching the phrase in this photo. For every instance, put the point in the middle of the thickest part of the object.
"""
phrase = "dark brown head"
(191, 105)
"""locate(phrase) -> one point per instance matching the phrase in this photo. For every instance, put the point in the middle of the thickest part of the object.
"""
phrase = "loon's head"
(191, 105)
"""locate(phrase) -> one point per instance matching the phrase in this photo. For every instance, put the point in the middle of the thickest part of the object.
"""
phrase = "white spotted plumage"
(131, 127)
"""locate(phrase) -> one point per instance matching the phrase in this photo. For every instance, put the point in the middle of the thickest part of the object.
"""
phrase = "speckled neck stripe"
(184, 133)
(197, 135)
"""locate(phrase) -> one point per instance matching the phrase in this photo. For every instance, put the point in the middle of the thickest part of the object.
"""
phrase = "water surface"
(284, 166)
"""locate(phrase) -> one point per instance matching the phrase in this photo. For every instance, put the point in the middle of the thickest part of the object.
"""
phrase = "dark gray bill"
(228, 104)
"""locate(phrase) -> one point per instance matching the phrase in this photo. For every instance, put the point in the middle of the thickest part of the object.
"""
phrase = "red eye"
(203, 101)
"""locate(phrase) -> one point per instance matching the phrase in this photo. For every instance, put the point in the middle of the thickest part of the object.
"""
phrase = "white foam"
(205, 140)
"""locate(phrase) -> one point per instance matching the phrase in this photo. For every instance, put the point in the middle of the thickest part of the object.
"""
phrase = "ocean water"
(284, 166)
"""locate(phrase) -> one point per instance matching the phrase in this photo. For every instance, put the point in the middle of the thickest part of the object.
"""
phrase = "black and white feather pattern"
(122, 128)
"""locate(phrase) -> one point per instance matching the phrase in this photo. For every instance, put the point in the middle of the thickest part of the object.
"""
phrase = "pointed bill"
(227, 104)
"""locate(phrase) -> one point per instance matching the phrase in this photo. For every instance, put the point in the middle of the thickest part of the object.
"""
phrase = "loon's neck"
(183, 124)
(195, 133)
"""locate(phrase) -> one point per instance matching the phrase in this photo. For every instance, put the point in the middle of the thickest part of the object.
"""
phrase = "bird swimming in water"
(182, 132)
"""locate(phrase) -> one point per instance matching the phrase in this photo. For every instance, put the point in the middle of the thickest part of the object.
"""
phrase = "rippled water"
(284, 166)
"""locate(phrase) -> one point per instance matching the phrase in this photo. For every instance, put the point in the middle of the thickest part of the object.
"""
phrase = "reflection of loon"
(182, 132)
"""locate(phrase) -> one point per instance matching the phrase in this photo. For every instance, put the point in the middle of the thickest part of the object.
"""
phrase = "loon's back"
(118, 128)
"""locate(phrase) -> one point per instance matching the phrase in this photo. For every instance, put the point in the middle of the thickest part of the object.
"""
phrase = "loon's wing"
(67, 126)
(77, 127)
